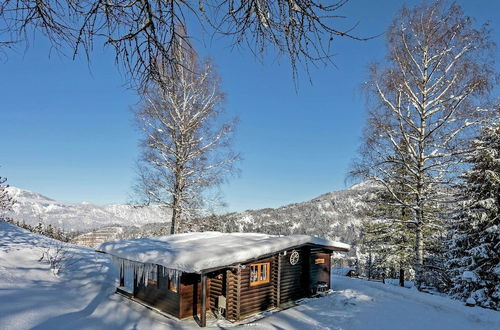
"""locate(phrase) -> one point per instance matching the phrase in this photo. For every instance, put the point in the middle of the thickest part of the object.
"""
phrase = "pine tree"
(374, 244)
(388, 238)
(475, 244)
(6, 201)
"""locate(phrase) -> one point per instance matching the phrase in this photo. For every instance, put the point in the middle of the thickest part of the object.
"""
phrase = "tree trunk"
(176, 213)
(173, 220)
(401, 277)
(370, 262)
(176, 200)
(419, 255)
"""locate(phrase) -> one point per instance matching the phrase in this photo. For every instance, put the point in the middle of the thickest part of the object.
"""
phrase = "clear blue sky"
(67, 130)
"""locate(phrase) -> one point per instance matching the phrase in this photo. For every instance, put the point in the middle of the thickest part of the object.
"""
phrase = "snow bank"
(195, 252)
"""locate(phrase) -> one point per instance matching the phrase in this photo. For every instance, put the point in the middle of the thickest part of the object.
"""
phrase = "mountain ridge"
(32, 207)
(336, 215)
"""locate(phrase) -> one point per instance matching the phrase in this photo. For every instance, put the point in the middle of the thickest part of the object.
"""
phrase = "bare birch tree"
(187, 142)
(140, 32)
(425, 103)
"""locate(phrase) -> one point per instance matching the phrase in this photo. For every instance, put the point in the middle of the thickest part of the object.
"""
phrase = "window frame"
(166, 282)
(173, 284)
(260, 267)
(153, 280)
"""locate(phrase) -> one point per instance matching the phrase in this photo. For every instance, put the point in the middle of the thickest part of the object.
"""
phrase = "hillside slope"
(82, 296)
(336, 215)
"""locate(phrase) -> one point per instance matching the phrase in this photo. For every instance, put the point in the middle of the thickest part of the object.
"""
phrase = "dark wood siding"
(159, 297)
(293, 277)
(261, 297)
(190, 297)
(319, 272)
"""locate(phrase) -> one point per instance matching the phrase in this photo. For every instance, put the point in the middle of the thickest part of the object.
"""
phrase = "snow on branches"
(186, 139)
(474, 258)
(426, 101)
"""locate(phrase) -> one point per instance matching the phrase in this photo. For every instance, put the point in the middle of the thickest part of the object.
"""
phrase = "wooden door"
(320, 269)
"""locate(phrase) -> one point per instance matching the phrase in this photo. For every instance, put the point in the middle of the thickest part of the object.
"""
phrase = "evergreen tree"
(475, 243)
(5, 200)
(388, 239)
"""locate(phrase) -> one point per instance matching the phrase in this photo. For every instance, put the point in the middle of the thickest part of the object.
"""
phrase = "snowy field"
(81, 297)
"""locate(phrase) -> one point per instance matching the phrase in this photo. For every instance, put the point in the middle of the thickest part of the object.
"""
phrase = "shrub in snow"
(58, 256)
(474, 261)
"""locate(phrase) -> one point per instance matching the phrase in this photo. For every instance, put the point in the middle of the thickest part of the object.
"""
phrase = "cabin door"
(320, 270)
(217, 293)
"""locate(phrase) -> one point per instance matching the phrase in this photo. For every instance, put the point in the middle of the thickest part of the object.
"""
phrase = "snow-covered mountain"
(336, 215)
(33, 208)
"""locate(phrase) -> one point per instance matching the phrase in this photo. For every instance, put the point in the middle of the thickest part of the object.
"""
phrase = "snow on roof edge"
(198, 252)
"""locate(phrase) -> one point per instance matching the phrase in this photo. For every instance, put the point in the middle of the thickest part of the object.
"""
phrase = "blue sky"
(67, 129)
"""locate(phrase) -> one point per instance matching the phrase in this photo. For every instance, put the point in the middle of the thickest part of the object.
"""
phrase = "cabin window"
(153, 276)
(172, 284)
(165, 281)
(319, 261)
(260, 273)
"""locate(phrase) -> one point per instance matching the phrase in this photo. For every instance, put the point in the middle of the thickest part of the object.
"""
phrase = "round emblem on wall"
(294, 257)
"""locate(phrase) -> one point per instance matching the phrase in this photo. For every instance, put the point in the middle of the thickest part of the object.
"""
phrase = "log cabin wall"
(294, 278)
(232, 308)
(190, 295)
(260, 297)
(157, 296)
(217, 288)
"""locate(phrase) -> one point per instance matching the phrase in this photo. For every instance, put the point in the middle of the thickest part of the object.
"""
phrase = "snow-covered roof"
(196, 252)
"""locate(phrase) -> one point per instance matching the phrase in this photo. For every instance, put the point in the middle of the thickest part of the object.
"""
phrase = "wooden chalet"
(230, 275)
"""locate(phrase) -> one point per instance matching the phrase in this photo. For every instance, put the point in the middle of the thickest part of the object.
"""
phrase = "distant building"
(230, 275)
(97, 237)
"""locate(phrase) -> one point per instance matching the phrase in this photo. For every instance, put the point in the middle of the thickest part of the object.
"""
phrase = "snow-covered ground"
(81, 297)
(359, 304)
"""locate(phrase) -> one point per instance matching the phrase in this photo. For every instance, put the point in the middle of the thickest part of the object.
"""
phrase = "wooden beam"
(203, 317)
(238, 294)
(278, 286)
(122, 274)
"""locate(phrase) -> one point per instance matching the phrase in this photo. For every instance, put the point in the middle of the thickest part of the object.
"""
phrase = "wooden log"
(256, 307)
(238, 294)
(256, 294)
(251, 300)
